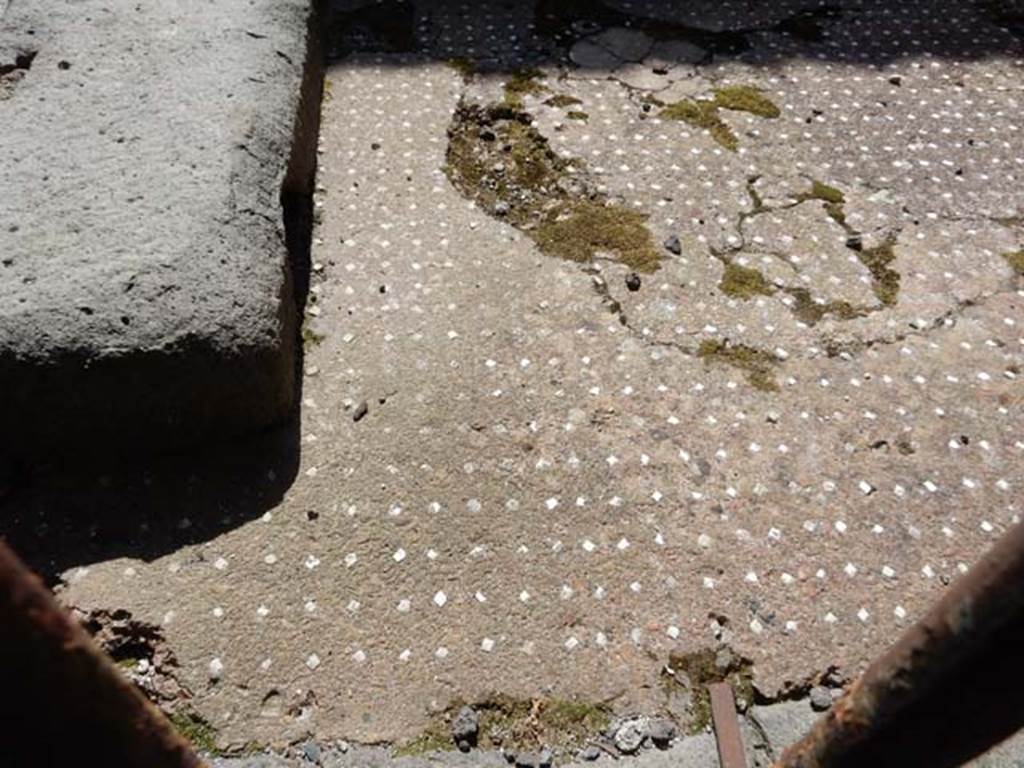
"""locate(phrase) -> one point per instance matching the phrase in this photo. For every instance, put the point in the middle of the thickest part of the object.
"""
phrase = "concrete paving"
(529, 476)
(146, 291)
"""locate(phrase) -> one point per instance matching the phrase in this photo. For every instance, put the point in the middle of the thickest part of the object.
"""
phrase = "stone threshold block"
(156, 162)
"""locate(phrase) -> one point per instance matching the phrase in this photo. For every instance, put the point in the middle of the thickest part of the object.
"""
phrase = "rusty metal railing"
(63, 701)
(951, 687)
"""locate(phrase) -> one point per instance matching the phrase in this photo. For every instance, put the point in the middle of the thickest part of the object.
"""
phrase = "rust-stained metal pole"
(64, 702)
(727, 727)
(947, 690)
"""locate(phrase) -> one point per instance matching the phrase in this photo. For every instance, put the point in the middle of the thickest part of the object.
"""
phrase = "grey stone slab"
(626, 44)
(787, 722)
(784, 723)
(145, 287)
(692, 752)
(1009, 754)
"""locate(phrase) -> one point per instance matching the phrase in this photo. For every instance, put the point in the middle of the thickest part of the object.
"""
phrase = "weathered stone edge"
(76, 403)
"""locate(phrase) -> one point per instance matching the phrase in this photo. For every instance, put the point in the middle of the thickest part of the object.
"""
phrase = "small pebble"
(821, 698)
(630, 736)
(360, 411)
(633, 281)
(311, 752)
(590, 753)
(528, 760)
(835, 678)
(673, 245)
(662, 732)
(465, 728)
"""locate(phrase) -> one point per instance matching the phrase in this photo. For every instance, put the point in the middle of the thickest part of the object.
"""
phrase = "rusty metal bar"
(64, 702)
(727, 727)
(947, 690)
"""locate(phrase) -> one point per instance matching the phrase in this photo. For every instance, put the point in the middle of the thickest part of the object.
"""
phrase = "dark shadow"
(56, 519)
(869, 33)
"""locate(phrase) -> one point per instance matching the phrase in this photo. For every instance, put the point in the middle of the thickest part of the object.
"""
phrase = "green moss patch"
(812, 312)
(756, 201)
(1016, 261)
(498, 159)
(745, 98)
(199, 733)
(704, 113)
(430, 740)
(744, 282)
(522, 83)
(586, 228)
(464, 66)
(833, 199)
(821, 191)
(507, 722)
(575, 114)
(694, 672)
(310, 338)
(758, 365)
(885, 281)
(836, 212)
(562, 100)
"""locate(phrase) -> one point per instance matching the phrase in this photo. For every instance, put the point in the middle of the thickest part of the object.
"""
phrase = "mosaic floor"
(626, 337)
